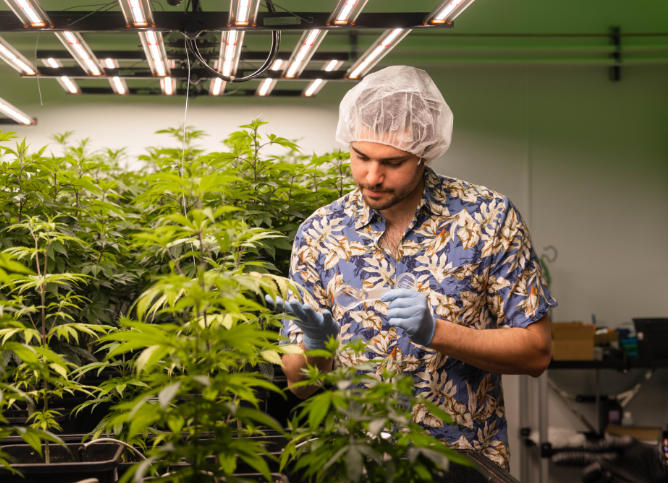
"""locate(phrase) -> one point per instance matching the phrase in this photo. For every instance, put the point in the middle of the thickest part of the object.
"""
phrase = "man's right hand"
(317, 327)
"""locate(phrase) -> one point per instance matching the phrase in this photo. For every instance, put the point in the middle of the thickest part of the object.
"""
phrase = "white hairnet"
(399, 106)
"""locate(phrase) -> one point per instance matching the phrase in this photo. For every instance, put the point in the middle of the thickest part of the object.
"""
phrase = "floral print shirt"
(471, 255)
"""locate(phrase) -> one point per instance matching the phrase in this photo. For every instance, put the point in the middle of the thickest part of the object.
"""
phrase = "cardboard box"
(608, 337)
(642, 433)
(572, 341)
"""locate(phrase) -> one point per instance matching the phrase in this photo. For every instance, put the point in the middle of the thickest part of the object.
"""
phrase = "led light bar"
(16, 114)
(265, 87)
(15, 59)
(65, 82)
(277, 65)
(217, 86)
(317, 84)
(168, 86)
(447, 11)
(243, 12)
(380, 48)
(29, 12)
(346, 12)
(154, 49)
(314, 87)
(74, 42)
(306, 47)
(118, 85)
(230, 51)
(137, 12)
(332, 65)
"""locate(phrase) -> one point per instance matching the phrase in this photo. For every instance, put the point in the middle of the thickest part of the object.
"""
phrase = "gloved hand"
(410, 311)
(317, 327)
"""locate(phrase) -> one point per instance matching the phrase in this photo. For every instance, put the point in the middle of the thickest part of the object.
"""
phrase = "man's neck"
(401, 214)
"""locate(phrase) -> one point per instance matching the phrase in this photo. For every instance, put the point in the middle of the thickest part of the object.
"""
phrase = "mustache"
(377, 188)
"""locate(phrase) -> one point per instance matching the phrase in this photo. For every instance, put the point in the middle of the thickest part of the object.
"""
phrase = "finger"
(312, 315)
(304, 313)
(400, 323)
(277, 304)
(416, 302)
(397, 293)
(403, 313)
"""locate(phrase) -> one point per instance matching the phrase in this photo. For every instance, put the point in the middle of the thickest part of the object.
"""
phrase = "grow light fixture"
(137, 12)
(314, 87)
(217, 86)
(306, 47)
(380, 48)
(65, 82)
(265, 87)
(168, 86)
(277, 65)
(230, 51)
(346, 12)
(317, 84)
(74, 42)
(16, 114)
(243, 12)
(29, 12)
(332, 65)
(447, 11)
(15, 59)
(154, 49)
(118, 84)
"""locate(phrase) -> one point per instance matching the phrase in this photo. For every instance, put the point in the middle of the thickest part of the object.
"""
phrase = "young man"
(478, 307)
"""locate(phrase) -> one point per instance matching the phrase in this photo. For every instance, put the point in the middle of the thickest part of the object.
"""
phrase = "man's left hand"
(410, 310)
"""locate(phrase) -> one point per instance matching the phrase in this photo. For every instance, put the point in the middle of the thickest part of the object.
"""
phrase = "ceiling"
(504, 32)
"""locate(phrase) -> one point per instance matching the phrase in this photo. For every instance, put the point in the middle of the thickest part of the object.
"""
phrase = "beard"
(387, 200)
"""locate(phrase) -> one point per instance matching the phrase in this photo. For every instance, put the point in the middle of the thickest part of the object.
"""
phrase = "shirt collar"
(430, 202)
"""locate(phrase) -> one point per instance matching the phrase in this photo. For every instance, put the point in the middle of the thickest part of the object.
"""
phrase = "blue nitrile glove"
(317, 327)
(410, 311)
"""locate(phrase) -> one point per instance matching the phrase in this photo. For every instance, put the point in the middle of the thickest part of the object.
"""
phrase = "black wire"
(308, 20)
(273, 53)
(105, 7)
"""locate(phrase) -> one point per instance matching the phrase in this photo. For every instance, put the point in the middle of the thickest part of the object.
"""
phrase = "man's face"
(387, 176)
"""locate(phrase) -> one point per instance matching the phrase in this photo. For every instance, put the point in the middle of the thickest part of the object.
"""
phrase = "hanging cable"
(273, 53)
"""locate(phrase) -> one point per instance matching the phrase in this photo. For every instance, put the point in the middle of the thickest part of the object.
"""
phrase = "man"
(478, 307)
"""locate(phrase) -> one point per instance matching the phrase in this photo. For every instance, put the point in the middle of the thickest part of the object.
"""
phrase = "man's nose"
(375, 174)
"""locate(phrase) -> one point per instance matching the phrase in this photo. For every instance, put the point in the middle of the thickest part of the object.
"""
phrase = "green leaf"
(272, 356)
(166, 395)
(317, 408)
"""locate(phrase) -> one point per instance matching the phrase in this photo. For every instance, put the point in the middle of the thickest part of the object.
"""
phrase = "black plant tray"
(69, 463)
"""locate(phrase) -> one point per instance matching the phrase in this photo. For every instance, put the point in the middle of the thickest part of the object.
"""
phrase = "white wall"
(585, 160)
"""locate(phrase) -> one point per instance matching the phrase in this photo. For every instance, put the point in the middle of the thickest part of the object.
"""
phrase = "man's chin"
(379, 204)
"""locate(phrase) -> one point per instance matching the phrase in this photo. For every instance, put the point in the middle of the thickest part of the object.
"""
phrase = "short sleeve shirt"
(470, 254)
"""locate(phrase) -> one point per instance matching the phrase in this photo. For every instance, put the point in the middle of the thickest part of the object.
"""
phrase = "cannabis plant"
(199, 335)
(90, 196)
(360, 427)
(45, 323)
(31, 358)
(271, 184)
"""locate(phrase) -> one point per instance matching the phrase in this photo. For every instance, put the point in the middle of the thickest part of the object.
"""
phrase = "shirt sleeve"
(305, 272)
(517, 294)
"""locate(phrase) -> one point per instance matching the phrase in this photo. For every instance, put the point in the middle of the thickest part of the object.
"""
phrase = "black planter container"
(69, 463)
